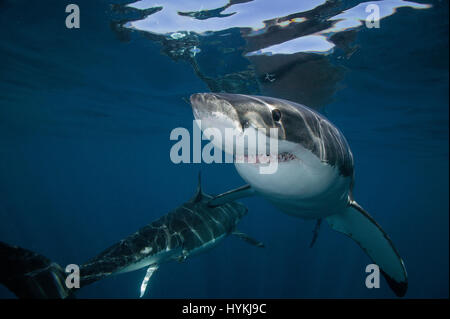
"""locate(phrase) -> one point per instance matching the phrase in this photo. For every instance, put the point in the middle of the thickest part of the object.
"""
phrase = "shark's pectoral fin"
(151, 269)
(232, 195)
(315, 232)
(248, 239)
(356, 223)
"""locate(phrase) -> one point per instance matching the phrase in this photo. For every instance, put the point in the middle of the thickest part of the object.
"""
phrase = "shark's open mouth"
(265, 158)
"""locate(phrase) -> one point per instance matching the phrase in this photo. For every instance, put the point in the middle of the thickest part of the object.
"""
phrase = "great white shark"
(190, 229)
(315, 172)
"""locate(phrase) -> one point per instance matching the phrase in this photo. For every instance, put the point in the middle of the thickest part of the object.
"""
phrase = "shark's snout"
(214, 111)
(196, 99)
(202, 100)
(202, 105)
(210, 100)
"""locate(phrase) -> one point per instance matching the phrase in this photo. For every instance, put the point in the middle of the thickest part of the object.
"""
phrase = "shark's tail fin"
(30, 275)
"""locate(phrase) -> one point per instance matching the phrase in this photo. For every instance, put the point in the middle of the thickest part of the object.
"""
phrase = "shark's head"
(234, 111)
(245, 114)
(306, 141)
(297, 126)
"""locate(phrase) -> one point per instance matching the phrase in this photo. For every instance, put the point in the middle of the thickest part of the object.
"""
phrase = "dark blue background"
(84, 157)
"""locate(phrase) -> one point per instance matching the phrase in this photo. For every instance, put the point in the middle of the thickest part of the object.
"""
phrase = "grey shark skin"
(314, 177)
(189, 229)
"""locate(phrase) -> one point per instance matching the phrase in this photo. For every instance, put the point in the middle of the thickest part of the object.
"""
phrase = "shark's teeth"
(265, 158)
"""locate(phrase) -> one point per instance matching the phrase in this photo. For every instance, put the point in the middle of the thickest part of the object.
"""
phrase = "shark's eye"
(276, 115)
(246, 124)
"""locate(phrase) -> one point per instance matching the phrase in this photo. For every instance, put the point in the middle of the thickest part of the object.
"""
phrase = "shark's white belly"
(304, 187)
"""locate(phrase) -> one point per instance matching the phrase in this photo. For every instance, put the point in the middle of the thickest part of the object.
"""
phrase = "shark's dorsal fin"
(198, 194)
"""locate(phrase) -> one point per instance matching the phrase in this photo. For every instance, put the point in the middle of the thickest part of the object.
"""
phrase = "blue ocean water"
(86, 115)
